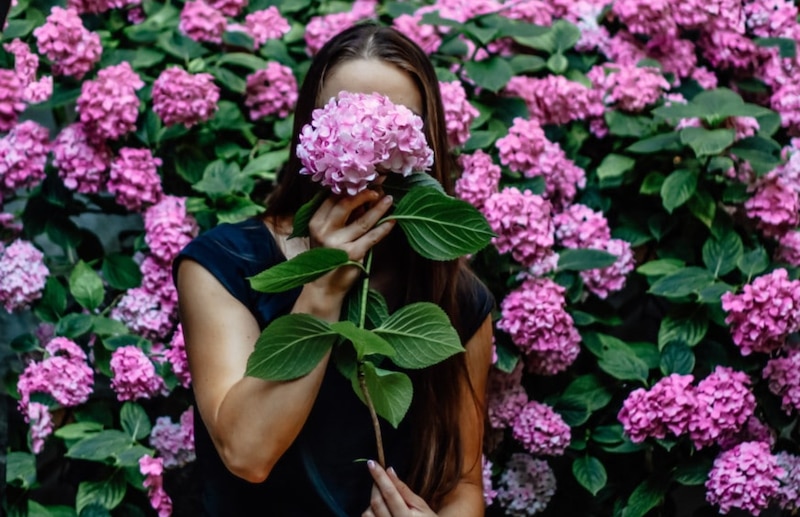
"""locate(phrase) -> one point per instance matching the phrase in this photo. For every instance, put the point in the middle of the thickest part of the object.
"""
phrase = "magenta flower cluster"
(23, 275)
(323, 27)
(134, 179)
(81, 163)
(11, 99)
(356, 136)
(108, 105)
(526, 485)
(764, 313)
(489, 493)
(458, 112)
(202, 22)
(153, 471)
(535, 317)
(505, 397)
(629, 87)
(67, 43)
(174, 441)
(540, 430)
(168, 228)
(744, 477)
(783, 377)
(788, 496)
(265, 25)
(134, 375)
(180, 97)
(23, 155)
(271, 91)
(479, 179)
(554, 99)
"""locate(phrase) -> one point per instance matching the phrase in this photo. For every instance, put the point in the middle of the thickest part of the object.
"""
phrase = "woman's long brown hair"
(437, 461)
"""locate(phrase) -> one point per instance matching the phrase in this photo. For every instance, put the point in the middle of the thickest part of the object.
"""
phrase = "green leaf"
(582, 259)
(74, 325)
(134, 421)
(230, 80)
(524, 63)
(787, 47)
(483, 35)
(721, 256)
(712, 293)
(53, 302)
(677, 357)
(221, 178)
(78, 430)
(180, 46)
(753, 262)
(290, 347)
(693, 474)
(652, 183)
(101, 446)
(688, 327)
(678, 187)
(86, 286)
(21, 469)
(557, 63)
(377, 310)
(625, 125)
(762, 153)
(17, 29)
(587, 391)
(608, 434)
(654, 144)
(660, 267)
(242, 59)
(590, 473)
(398, 186)
(121, 271)
(491, 74)
(106, 327)
(706, 142)
(301, 269)
(304, 215)
(421, 335)
(682, 283)
(364, 341)
(644, 498)
(703, 206)
(390, 392)
(108, 493)
(623, 365)
(267, 165)
(614, 166)
(440, 227)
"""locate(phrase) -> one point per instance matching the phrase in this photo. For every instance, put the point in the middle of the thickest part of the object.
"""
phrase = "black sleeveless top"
(321, 473)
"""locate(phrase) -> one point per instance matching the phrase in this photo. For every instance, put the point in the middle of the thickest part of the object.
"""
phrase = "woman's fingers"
(366, 221)
(391, 497)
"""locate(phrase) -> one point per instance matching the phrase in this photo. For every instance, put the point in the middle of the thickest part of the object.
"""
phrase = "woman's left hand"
(392, 498)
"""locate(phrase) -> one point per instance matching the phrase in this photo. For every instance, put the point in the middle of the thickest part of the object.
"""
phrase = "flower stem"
(362, 378)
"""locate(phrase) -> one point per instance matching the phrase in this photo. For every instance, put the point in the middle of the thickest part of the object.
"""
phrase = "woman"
(293, 448)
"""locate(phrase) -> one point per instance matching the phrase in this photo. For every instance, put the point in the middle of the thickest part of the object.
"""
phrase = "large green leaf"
(660, 267)
(721, 256)
(590, 473)
(78, 430)
(301, 269)
(682, 283)
(390, 392)
(677, 357)
(108, 493)
(492, 73)
(364, 341)
(707, 142)
(588, 391)
(421, 335)
(689, 328)
(267, 165)
(623, 124)
(654, 144)
(614, 166)
(290, 347)
(304, 214)
(440, 227)
(623, 365)
(678, 188)
(21, 469)
(221, 178)
(134, 420)
(86, 286)
(121, 271)
(102, 446)
(398, 185)
(582, 259)
(753, 262)
(377, 311)
(644, 498)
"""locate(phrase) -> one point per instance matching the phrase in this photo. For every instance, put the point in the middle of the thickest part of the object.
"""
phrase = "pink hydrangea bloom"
(41, 423)
(540, 430)
(99, 6)
(153, 470)
(229, 8)
(265, 25)
(537, 12)
(23, 155)
(526, 486)
(23, 274)
(180, 97)
(108, 105)
(578, 226)
(520, 148)
(648, 17)
(677, 56)
(724, 404)
(134, 179)
(788, 496)
(629, 87)
(606, 280)
(157, 279)
(666, 408)
(323, 27)
(11, 99)
(174, 441)
(176, 355)
(136, 15)
(489, 493)
(534, 316)
(168, 228)
(624, 49)
(771, 18)
(764, 313)
(744, 477)
(783, 375)
(73, 49)
(202, 22)
(354, 135)
(505, 397)
(458, 112)
(523, 226)
(705, 78)
(727, 49)
(554, 99)
(271, 91)
(784, 100)
(81, 164)
(25, 62)
(134, 375)
(774, 205)
(426, 36)
(145, 313)
(754, 430)
(480, 178)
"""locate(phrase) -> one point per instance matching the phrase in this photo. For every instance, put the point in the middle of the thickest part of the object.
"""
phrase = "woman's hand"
(348, 223)
(392, 498)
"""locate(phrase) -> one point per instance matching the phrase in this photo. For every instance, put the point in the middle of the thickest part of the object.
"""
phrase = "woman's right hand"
(338, 224)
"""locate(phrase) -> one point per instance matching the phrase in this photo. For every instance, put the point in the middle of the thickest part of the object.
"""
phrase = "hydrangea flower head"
(355, 135)
(744, 477)
(724, 405)
(134, 375)
(180, 97)
(23, 154)
(23, 274)
(526, 486)
(541, 430)
(71, 47)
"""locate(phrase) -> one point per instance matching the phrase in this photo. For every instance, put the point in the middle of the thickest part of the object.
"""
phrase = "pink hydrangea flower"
(554, 99)
(271, 91)
(157, 279)
(81, 164)
(523, 226)
(99, 6)
(540, 430)
(774, 205)
(489, 493)
(666, 408)
(606, 280)
(25, 62)
(153, 470)
(744, 477)
(535, 317)
(265, 25)
(764, 313)
(23, 275)
(458, 112)
(783, 375)
(724, 404)
(629, 87)
(523, 144)
(323, 27)
(71, 47)
(174, 441)
(63, 374)
(23, 155)
(134, 375)
(108, 105)
(526, 486)
(648, 17)
(180, 97)
(202, 22)
(355, 135)
(229, 8)
(754, 430)
(771, 18)
(727, 49)
(134, 179)
(145, 313)
(176, 355)
(426, 36)
(578, 226)
(505, 397)
(11, 99)
(41, 425)
(788, 496)
(480, 178)
(168, 228)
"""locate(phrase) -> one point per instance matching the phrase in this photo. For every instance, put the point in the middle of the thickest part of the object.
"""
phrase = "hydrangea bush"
(638, 161)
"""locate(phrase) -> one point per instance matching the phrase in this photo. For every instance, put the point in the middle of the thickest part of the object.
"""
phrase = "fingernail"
(391, 471)
(370, 464)
(387, 199)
